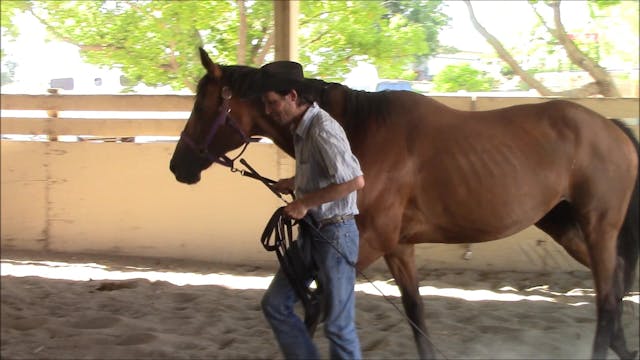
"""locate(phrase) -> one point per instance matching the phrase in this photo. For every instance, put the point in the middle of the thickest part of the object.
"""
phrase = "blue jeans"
(338, 276)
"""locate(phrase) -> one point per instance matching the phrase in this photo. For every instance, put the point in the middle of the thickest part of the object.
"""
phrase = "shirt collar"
(305, 122)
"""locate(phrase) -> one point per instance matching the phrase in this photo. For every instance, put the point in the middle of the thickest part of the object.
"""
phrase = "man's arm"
(298, 208)
(285, 186)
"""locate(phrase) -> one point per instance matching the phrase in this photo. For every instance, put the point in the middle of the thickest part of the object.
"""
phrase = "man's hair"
(303, 98)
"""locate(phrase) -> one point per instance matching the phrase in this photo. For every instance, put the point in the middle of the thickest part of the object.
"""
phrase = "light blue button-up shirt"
(324, 157)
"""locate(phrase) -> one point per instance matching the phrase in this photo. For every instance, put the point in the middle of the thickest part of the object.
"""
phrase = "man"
(325, 184)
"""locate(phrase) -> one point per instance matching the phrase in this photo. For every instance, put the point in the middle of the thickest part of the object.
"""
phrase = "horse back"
(465, 176)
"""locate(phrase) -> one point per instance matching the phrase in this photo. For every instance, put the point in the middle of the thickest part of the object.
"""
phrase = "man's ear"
(294, 95)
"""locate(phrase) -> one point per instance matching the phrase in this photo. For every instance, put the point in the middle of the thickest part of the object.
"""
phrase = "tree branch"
(603, 84)
(84, 47)
(598, 73)
(541, 19)
(506, 56)
(586, 90)
(241, 56)
(264, 50)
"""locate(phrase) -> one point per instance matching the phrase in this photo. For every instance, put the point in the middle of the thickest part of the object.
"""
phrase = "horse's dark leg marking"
(618, 342)
(560, 223)
(600, 238)
(401, 263)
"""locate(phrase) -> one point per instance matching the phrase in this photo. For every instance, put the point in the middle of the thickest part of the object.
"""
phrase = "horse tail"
(629, 237)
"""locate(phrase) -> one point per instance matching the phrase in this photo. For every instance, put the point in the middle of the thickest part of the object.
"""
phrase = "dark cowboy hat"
(278, 76)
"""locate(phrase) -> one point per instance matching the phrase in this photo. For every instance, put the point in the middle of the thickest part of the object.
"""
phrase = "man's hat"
(280, 75)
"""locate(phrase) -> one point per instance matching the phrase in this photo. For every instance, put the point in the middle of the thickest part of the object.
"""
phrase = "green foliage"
(342, 33)
(463, 77)
(601, 36)
(6, 77)
(7, 11)
(156, 42)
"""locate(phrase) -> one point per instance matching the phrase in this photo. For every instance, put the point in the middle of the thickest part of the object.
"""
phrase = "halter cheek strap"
(222, 117)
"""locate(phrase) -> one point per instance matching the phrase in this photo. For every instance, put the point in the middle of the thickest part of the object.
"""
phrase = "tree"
(156, 42)
(578, 54)
(6, 77)
(462, 77)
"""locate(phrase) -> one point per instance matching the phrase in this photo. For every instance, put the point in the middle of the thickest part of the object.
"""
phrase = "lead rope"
(284, 225)
(297, 265)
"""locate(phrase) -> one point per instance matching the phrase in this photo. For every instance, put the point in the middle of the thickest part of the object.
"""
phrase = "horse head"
(221, 120)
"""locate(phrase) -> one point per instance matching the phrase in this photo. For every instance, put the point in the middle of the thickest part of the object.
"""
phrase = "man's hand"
(296, 209)
(285, 186)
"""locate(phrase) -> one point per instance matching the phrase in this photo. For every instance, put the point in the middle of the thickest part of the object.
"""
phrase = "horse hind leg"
(606, 267)
(561, 224)
(618, 341)
(401, 263)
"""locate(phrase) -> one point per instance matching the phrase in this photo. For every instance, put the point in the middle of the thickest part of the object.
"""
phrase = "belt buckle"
(335, 220)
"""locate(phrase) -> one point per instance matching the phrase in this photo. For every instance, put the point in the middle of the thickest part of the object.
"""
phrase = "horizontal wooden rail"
(93, 127)
(97, 102)
(610, 107)
(617, 108)
(627, 108)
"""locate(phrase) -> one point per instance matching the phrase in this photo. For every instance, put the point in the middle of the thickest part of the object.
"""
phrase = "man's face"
(281, 108)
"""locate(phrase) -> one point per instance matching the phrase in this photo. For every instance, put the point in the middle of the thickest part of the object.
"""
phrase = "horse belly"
(485, 190)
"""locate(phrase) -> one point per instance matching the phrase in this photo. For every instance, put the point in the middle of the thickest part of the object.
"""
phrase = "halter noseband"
(222, 117)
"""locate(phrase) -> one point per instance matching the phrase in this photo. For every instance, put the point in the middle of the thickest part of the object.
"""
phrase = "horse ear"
(212, 68)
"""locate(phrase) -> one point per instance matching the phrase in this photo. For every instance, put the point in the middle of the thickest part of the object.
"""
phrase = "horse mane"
(359, 108)
(239, 78)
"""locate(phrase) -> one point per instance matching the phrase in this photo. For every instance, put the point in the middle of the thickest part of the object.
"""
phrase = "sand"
(91, 307)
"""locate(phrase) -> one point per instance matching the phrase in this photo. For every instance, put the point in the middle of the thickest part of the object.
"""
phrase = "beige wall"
(121, 198)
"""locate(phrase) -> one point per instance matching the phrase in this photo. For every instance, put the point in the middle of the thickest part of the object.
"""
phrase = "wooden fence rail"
(626, 108)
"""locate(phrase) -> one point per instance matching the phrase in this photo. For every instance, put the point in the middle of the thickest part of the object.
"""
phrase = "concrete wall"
(121, 198)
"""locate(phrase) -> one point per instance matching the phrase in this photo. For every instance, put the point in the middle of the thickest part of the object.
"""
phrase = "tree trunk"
(603, 80)
(602, 85)
(242, 33)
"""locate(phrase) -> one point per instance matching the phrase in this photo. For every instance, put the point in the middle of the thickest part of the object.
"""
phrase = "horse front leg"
(401, 263)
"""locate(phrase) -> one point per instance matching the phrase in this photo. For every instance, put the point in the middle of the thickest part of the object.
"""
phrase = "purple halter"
(222, 117)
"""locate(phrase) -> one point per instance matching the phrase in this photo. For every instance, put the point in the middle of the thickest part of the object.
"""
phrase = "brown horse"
(435, 174)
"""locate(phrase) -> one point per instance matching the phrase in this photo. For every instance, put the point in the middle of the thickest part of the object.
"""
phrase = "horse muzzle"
(187, 166)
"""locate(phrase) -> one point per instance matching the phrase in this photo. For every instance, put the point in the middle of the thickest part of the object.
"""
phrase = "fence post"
(53, 114)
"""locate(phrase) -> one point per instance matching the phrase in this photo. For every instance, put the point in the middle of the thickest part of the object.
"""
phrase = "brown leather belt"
(335, 220)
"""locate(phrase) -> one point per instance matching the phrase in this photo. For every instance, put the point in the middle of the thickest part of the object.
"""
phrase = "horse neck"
(279, 134)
